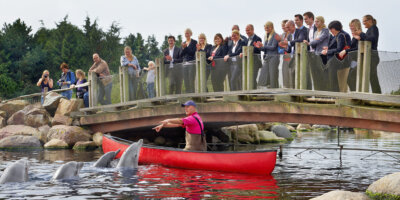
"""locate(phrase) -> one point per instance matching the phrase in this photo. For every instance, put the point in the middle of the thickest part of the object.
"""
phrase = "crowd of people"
(334, 71)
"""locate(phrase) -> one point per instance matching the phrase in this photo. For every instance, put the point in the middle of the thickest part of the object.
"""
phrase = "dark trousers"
(236, 75)
(104, 91)
(218, 74)
(189, 75)
(175, 79)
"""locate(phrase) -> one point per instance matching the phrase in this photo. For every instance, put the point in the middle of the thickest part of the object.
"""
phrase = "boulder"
(13, 106)
(245, 133)
(65, 107)
(3, 114)
(51, 102)
(98, 138)
(42, 135)
(281, 131)
(268, 137)
(160, 140)
(69, 134)
(31, 115)
(303, 127)
(76, 122)
(56, 144)
(61, 120)
(85, 145)
(20, 141)
(18, 130)
(342, 195)
(321, 127)
(388, 186)
(2, 122)
(264, 126)
(290, 127)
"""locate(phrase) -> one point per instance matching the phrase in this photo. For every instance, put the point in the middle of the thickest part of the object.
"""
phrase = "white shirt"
(311, 36)
(171, 53)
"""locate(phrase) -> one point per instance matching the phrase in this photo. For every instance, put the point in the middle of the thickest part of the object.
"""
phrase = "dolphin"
(69, 170)
(130, 157)
(105, 160)
(16, 172)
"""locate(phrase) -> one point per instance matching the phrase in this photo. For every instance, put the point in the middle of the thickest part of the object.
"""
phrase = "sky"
(165, 17)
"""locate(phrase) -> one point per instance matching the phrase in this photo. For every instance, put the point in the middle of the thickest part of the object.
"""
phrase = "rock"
(56, 144)
(18, 118)
(65, 107)
(31, 115)
(281, 131)
(342, 195)
(321, 127)
(303, 127)
(3, 114)
(268, 137)
(51, 102)
(13, 106)
(85, 145)
(264, 126)
(18, 130)
(245, 133)
(20, 141)
(160, 140)
(69, 134)
(76, 122)
(2, 122)
(387, 186)
(42, 135)
(98, 138)
(290, 127)
(61, 120)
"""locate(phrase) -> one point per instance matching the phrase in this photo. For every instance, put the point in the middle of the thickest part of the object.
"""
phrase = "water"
(295, 177)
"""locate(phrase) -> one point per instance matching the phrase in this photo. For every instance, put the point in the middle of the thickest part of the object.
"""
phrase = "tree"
(152, 49)
(112, 47)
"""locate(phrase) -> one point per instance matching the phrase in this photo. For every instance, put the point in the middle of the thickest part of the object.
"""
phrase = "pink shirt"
(191, 124)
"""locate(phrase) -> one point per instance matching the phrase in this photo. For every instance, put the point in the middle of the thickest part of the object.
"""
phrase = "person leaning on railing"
(100, 67)
(269, 72)
(130, 61)
(172, 56)
(204, 47)
(372, 35)
(234, 50)
(67, 78)
(188, 55)
(81, 92)
(253, 39)
(45, 82)
(355, 27)
(340, 41)
(286, 57)
(218, 73)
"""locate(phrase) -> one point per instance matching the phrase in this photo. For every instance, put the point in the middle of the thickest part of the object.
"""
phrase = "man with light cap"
(195, 137)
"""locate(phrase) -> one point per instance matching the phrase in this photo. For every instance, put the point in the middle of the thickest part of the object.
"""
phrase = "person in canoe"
(195, 137)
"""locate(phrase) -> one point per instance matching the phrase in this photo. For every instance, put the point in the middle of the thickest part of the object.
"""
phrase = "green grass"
(377, 196)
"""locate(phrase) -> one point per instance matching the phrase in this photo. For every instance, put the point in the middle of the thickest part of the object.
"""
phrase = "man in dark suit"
(300, 35)
(173, 68)
(242, 37)
(253, 38)
(309, 20)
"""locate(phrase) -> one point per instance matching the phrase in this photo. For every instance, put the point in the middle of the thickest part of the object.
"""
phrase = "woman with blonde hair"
(235, 50)
(371, 35)
(81, 92)
(189, 65)
(269, 71)
(131, 62)
(45, 82)
(204, 47)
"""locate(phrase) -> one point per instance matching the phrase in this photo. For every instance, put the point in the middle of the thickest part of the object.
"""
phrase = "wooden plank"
(367, 66)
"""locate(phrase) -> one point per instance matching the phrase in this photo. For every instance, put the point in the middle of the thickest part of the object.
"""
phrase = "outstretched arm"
(174, 122)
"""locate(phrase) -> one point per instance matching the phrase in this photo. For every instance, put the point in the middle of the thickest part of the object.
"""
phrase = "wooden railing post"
(124, 84)
(363, 66)
(160, 77)
(200, 80)
(301, 59)
(93, 89)
(247, 67)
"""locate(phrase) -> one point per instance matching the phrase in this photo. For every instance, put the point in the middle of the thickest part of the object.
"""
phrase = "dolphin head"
(130, 157)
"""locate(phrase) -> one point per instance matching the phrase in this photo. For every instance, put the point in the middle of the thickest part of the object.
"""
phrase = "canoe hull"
(254, 162)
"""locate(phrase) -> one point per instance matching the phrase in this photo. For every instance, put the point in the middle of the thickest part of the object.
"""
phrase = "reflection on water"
(295, 177)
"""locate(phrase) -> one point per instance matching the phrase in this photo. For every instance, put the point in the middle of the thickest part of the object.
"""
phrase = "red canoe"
(253, 162)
